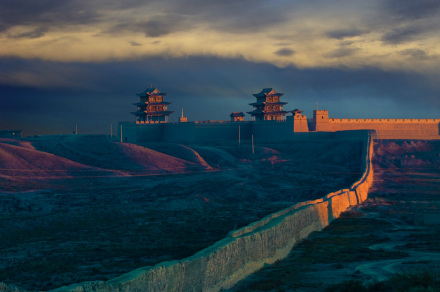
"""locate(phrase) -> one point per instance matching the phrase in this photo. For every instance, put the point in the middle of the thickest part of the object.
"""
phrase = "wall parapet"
(243, 251)
(399, 121)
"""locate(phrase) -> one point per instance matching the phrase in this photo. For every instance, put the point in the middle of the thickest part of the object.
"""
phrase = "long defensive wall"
(417, 129)
(246, 250)
(264, 131)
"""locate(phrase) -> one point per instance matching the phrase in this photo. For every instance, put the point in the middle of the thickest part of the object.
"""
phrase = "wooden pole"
(76, 129)
(253, 150)
(121, 133)
(239, 135)
(111, 130)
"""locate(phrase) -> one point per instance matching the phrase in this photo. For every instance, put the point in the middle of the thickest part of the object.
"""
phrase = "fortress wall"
(271, 131)
(392, 121)
(153, 132)
(222, 132)
(217, 132)
(425, 129)
(189, 132)
(179, 132)
(128, 132)
(243, 251)
(138, 133)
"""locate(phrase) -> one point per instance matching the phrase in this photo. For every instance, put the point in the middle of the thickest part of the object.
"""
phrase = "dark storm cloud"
(405, 10)
(417, 54)
(344, 33)
(134, 44)
(98, 94)
(345, 50)
(160, 26)
(59, 13)
(284, 52)
(403, 34)
(231, 16)
(226, 16)
(45, 13)
(36, 33)
(234, 16)
(342, 52)
(153, 27)
(408, 20)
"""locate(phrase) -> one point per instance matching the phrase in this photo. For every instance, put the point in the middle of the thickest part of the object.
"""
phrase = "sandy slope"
(24, 163)
(179, 151)
(29, 163)
(15, 142)
(153, 161)
(98, 151)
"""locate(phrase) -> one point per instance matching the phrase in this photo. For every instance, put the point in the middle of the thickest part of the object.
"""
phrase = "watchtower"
(299, 122)
(321, 121)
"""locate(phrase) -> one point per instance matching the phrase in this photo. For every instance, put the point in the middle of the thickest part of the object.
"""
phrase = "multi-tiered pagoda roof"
(152, 107)
(268, 106)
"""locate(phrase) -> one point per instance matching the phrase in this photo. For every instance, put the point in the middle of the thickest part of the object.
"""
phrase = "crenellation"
(384, 121)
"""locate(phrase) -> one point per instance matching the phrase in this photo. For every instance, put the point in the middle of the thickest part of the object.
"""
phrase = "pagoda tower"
(152, 108)
(268, 106)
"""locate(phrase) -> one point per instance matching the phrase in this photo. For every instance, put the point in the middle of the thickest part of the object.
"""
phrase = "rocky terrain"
(76, 208)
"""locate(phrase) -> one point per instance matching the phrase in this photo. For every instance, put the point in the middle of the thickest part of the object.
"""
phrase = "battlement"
(273, 129)
(386, 121)
(150, 122)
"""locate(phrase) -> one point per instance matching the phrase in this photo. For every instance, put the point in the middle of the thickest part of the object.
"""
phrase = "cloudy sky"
(67, 62)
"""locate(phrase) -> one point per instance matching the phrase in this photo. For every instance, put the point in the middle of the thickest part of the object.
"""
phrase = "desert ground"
(78, 208)
(391, 242)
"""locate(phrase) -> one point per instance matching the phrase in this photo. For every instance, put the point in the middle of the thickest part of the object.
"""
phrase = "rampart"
(220, 132)
(425, 129)
(270, 131)
(245, 250)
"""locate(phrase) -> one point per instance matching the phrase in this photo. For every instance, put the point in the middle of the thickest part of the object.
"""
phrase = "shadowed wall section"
(245, 250)
(273, 131)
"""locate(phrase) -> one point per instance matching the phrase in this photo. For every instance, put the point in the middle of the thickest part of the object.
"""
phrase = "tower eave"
(148, 92)
(161, 113)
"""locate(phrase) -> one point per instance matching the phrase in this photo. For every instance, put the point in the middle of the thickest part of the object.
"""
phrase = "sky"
(72, 62)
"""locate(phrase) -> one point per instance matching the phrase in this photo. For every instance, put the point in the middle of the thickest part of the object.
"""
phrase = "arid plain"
(81, 207)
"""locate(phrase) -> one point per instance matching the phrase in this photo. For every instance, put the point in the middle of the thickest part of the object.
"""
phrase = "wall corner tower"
(321, 121)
